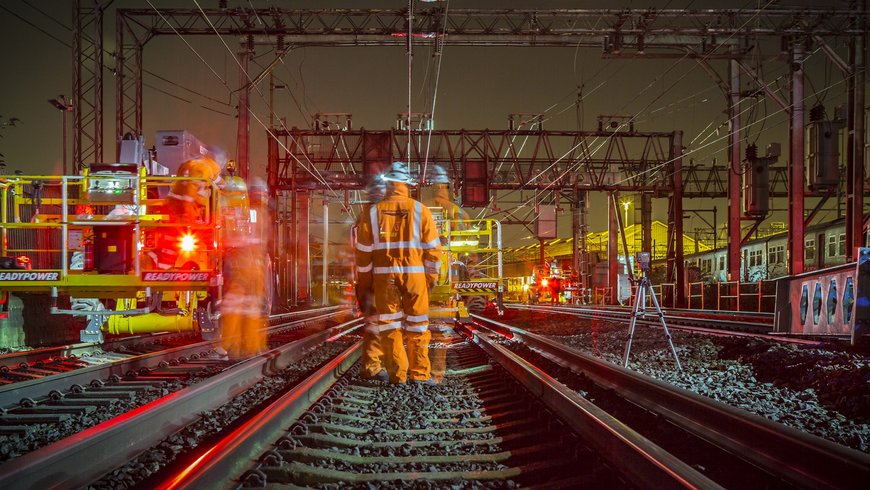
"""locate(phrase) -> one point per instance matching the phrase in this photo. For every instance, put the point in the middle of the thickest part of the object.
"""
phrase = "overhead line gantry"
(703, 35)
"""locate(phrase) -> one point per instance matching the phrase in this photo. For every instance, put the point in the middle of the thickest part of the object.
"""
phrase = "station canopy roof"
(596, 242)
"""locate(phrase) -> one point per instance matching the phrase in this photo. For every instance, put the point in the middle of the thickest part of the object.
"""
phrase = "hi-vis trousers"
(401, 316)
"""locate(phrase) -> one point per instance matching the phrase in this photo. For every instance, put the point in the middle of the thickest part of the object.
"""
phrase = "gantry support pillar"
(796, 162)
(612, 250)
(646, 222)
(734, 181)
(302, 262)
(243, 123)
(855, 170)
(675, 266)
(87, 83)
(585, 283)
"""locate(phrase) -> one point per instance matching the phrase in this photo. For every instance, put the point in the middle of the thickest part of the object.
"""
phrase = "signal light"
(187, 243)
(544, 282)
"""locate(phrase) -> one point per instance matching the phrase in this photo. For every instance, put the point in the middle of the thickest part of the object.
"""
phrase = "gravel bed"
(14, 445)
(214, 421)
(411, 406)
(822, 390)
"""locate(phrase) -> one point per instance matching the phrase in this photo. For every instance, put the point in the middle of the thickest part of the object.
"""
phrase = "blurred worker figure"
(398, 259)
(246, 293)
(441, 197)
(243, 310)
(187, 198)
(373, 359)
(185, 204)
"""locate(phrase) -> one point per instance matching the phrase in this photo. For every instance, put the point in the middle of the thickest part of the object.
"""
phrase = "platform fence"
(757, 296)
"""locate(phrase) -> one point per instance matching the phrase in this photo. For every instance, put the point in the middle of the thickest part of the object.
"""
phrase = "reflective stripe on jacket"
(397, 236)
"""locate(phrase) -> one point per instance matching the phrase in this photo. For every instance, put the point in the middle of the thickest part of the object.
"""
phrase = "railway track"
(45, 361)
(790, 458)
(733, 324)
(169, 354)
(498, 420)
(40, 411)
(346, 432)
(494, 422)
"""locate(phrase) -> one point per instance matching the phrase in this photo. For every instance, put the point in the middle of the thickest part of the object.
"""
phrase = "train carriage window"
(842, 245)
(755, 258)
(817, 303)
(832, 245)
(848, 300)
(810, 249)
(721, 263)
(832, 301)
(706, 265)
(776, 254)
(804, 304)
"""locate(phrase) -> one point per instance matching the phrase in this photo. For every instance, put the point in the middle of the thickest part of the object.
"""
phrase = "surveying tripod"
(644, 287)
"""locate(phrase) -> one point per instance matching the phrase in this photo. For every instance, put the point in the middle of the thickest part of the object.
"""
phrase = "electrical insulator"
(751, 152)
(823, 159)
(756, 190)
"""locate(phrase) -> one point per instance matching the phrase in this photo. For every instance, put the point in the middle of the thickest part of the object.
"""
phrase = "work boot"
(425, 382)
(379, 376)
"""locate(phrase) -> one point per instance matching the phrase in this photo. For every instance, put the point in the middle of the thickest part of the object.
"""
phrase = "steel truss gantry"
(703, 35)
(516, 160)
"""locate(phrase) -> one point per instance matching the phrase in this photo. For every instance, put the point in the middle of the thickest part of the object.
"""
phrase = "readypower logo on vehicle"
(175, 276)
(29, 276)
(476, 286)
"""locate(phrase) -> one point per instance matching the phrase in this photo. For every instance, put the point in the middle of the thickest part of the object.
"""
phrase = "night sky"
(478, 87)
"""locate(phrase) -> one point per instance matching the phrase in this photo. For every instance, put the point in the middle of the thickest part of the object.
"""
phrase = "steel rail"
(13, 393)
(12, 359)
(79, 460)
(646, 464)
(689, 312)
(228, 458)
(802, 459)
(87, 348)
(673, 320)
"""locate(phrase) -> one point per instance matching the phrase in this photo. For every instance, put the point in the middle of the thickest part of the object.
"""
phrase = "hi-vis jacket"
(398, 240)
(196, 191)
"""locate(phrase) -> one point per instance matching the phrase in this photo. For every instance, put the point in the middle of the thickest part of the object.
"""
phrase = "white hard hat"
(437, 175)
(398, 172)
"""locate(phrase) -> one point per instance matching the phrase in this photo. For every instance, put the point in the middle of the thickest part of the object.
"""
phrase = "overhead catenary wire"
(302, 112)
(439, 50)
(575, 167)
(743, 138)
(145, 71)
(543, 172)
(570, 168)
(312, 170)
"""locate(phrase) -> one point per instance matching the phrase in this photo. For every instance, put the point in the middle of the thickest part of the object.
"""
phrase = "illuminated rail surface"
(346, 431)
(28, 365)
(498, 416)
(32, 405)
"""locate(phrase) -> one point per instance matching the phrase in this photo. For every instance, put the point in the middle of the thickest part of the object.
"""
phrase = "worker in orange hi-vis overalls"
(187, 198)
(245, 299)
(441, 198)
(398, 258)
(184, 205)
(373, 359)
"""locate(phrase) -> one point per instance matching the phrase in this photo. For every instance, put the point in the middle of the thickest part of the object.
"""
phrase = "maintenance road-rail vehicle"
(90, 237)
